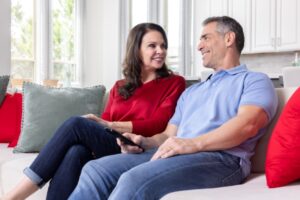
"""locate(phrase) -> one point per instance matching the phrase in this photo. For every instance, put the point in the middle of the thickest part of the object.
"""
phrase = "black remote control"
(121, 137)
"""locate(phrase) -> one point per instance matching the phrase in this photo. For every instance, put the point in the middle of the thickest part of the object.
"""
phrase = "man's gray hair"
(226, 24)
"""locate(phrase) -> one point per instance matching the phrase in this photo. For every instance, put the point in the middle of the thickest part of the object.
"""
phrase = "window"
(63, 40)
(22, 39)
(172, 28)
(46, 40)
(176, 18)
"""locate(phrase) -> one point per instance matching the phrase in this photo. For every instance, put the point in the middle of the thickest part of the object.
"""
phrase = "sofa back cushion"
(259, 158)
(283, 155)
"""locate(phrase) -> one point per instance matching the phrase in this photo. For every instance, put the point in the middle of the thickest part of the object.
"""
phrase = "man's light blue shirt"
(207, 105)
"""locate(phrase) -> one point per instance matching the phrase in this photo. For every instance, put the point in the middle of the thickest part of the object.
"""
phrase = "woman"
(142, 103)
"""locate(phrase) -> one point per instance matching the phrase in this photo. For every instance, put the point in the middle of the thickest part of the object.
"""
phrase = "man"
(208, 141)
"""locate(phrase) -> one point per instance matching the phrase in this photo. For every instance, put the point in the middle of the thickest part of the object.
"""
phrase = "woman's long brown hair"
(132, 62)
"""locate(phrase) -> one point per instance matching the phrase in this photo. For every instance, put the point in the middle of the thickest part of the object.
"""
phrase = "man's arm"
(244, 125)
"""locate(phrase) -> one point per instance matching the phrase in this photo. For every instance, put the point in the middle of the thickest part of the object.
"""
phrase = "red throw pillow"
(283, 155)
(18, 108)
(7, 119)
(10, 118)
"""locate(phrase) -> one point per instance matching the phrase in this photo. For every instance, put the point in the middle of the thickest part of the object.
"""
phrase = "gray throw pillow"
(46, 108)
(3, 87)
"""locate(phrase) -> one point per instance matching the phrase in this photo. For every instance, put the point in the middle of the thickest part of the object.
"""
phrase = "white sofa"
(11, 170)
(12, 165)
(255, 188)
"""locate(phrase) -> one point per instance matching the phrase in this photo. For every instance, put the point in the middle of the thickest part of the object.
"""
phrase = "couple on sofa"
(206, 142)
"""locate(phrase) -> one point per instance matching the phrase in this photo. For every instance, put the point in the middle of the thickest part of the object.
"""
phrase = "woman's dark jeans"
(77, 141)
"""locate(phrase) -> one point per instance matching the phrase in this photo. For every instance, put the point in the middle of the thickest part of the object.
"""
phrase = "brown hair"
(132, 62)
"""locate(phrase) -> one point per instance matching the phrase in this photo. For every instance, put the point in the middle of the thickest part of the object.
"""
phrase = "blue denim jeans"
(77, 141)
(133, 176)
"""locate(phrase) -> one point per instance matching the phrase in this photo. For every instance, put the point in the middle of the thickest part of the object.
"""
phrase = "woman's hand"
(120, 126)
(175, 146)
(98, 119)
(137, 139)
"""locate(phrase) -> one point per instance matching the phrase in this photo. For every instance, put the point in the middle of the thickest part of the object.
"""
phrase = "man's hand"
(137, 139)
(175, 146)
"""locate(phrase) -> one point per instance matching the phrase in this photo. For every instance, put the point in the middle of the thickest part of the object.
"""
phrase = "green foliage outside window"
(62, 37)
(22, 44)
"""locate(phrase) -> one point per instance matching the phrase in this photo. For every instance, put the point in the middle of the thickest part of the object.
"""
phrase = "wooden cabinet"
(275, 25)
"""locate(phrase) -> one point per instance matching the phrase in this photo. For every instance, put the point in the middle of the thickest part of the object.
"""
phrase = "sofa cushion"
(45, 109)
(3, 86)
(7, 155)
(283, 155)
(11, 171)
(253, 189)
(259, 158)
(10, 118)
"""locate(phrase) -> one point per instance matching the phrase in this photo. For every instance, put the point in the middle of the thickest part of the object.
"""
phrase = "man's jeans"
(76, 142)
(133, 176)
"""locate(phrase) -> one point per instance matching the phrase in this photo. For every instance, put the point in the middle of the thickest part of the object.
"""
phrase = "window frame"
(43, 64)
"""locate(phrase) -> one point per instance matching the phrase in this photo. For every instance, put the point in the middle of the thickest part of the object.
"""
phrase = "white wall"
(111, 42)
(101, 63)
(5, 37)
